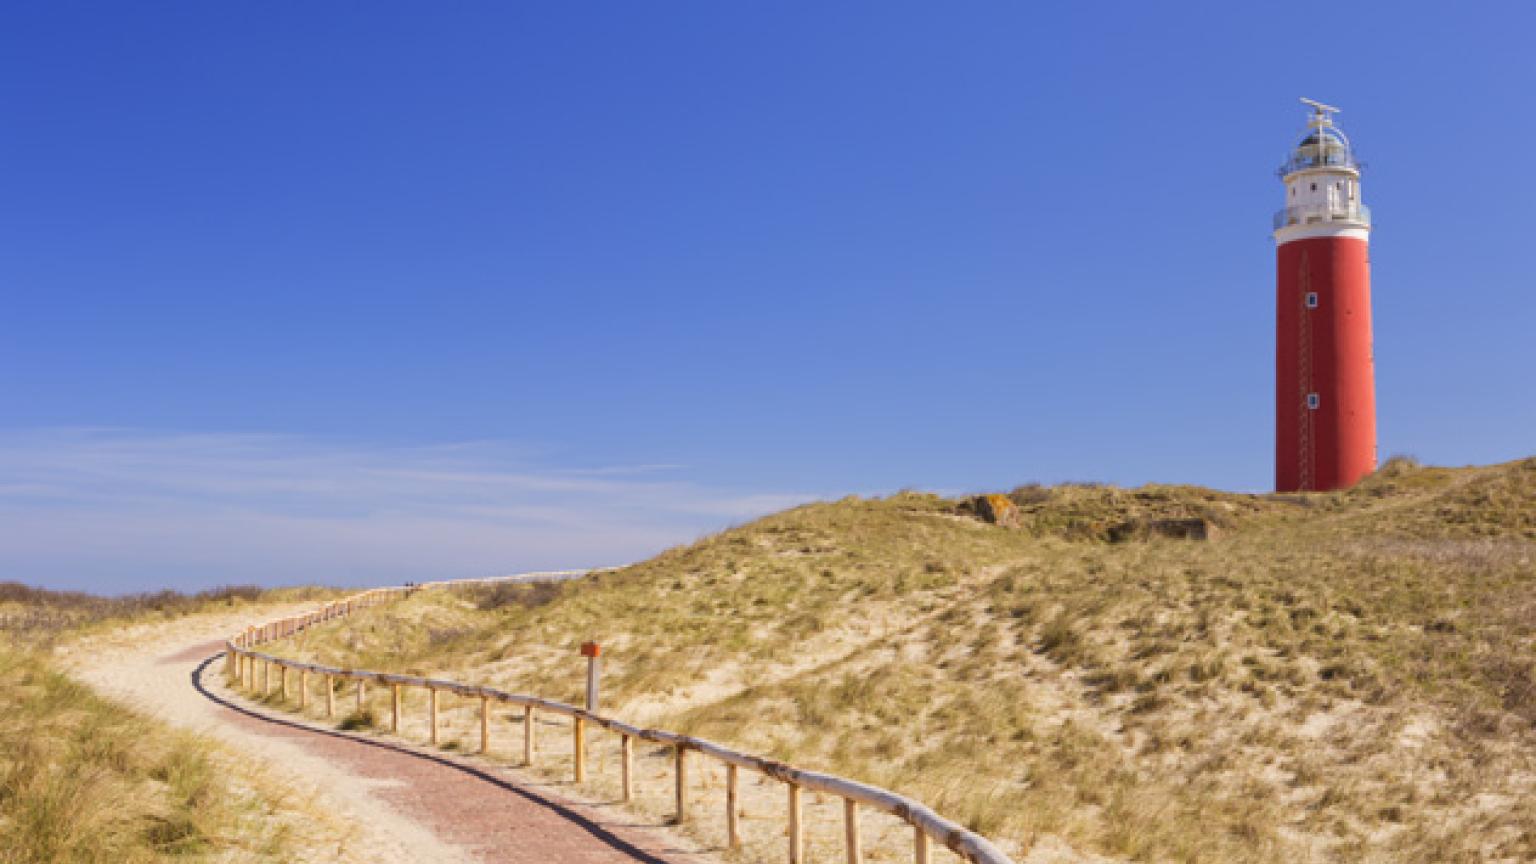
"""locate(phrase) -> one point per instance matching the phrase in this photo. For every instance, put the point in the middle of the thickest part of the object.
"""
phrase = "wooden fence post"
(330, 697)
(432, 714)
(626, 767)
(282, 672)
(919, 846)
(796, 830)
(528, 743)
(485, 724)
(852, 842)
(732, 809)
(303, 689)
(579, 748)
(394, 717)
(266, 677)
(680, 761)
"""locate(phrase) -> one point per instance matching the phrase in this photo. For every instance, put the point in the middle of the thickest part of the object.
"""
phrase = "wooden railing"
(928, 827)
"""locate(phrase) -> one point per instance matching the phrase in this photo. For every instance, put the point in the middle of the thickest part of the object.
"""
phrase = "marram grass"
(1340, 677)
(83, 779)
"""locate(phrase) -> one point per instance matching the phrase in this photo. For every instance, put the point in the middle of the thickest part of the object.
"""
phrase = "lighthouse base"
(1325, 394)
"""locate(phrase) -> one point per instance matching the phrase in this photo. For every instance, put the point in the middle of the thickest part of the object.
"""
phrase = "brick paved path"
(498, 815)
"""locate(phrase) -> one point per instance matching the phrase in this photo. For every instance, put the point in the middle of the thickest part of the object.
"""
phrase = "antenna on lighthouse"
(1322, 115)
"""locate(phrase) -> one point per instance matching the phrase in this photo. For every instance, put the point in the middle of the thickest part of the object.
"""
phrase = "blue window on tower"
(1313, 401)
(1311, 299)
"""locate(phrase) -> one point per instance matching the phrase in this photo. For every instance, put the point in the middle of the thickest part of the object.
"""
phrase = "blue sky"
(367, 292)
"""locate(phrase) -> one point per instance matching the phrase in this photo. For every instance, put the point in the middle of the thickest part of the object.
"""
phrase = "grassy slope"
(83, 779)
(1341, 677)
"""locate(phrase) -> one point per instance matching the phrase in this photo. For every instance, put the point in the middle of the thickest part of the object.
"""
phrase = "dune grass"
(38, 616)
(1333, 677)
(83, 779)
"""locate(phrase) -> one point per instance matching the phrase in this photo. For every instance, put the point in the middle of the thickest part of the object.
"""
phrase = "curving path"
(408, 804)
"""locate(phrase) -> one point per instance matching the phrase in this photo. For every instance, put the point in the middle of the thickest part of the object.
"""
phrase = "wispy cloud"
(114, 509)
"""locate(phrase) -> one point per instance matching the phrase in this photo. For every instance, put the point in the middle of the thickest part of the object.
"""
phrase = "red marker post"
(593, 652)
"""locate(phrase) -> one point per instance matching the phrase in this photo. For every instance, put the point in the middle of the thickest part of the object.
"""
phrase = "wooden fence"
(928, 827)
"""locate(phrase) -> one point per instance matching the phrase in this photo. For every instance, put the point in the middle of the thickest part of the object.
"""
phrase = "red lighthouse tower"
(1325, 390)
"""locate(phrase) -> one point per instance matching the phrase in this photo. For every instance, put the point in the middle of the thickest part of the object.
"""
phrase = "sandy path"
(408, 804)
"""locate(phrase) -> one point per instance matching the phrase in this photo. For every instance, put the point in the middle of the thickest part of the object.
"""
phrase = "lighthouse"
(1325, 390)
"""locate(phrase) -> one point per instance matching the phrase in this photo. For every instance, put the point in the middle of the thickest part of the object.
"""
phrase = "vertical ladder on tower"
(1304, 479)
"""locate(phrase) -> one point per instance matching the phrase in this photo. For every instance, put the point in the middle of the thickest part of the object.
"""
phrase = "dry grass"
(1336, 677)
(85, 780)
(38, 616)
